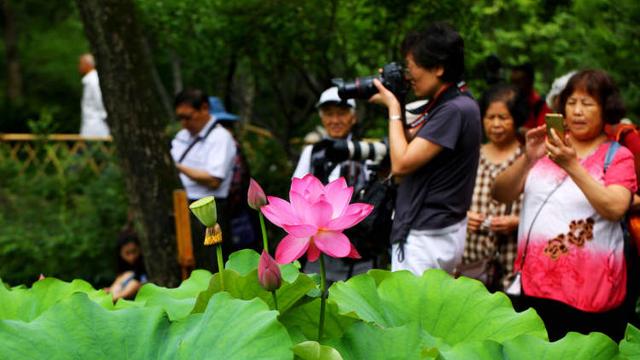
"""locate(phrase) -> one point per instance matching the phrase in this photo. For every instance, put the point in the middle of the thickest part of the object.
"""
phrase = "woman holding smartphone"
(576, 191)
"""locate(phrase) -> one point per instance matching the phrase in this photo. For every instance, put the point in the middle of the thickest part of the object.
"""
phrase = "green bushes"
(59, 224)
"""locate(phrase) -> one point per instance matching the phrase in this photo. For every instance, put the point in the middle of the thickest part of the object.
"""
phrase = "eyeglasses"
(185, 117)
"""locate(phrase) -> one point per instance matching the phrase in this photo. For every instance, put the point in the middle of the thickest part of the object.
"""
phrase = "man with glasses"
(203, 152)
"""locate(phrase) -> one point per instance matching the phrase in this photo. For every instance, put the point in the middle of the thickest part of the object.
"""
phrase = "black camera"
(338, 150)
(392, 77)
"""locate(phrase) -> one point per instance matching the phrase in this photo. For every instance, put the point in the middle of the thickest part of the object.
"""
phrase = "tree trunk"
(176, 71)
(14, 74)
(167, 103)
(137, 123)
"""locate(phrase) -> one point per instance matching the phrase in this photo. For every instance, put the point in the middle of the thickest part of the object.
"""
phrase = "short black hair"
(439, 44)
(508, 94)
(192, 97)
(599, 85)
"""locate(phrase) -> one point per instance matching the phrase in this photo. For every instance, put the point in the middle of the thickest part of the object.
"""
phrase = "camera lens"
(360, 88)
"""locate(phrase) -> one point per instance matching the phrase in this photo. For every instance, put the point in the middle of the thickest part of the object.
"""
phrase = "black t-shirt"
(439, 194)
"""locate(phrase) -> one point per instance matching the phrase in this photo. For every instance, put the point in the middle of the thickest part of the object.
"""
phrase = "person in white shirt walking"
(94, 115)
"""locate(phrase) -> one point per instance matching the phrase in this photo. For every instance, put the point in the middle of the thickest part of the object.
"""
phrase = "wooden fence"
(55, 153)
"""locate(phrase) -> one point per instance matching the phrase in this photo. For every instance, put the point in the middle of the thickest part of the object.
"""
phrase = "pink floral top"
(573, 255)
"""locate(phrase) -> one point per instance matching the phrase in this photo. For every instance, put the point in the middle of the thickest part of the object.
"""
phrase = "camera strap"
(448, 92)
(197, 140)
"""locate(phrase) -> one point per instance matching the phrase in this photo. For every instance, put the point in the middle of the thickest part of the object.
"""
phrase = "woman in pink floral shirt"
(570, 241)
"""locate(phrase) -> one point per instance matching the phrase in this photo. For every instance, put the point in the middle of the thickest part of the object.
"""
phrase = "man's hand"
(200, 176)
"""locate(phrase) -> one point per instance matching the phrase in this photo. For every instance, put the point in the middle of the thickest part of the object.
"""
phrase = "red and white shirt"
(573, 255)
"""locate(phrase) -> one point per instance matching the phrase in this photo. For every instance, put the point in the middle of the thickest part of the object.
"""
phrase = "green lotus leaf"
(230, 329)
(78, 328)
(312, 350)
(247, 287)
(205, 210)
(455, 310)
(243, 261)
(177, 302)
(476, 349)
(372, 342)
(21, 303)
(246, 260)
(630, 345)
(594, 346)
(302, 321)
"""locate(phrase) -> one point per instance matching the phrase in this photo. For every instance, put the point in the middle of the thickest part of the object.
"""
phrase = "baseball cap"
(330, 96)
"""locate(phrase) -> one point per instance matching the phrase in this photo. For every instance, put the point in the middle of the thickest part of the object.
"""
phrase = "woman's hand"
(504, 224)
(474, 220)
(384, 96)
(535, 144)
(559, 151)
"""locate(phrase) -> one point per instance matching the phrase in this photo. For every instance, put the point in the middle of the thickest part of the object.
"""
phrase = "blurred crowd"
(535, 196)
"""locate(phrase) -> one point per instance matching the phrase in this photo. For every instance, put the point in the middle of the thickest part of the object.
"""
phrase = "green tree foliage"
(50, 42)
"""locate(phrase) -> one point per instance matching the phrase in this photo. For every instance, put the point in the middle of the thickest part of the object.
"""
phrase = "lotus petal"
(332, 243)
(291, 248)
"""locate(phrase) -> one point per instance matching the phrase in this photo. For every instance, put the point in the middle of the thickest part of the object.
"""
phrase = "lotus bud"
(205, 210)
(269, 274)
(213, 235)
(256, 196)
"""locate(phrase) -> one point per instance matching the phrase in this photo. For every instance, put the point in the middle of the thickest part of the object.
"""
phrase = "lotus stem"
(275, 299)
(220, 265)
(265, 241)
(323, 296)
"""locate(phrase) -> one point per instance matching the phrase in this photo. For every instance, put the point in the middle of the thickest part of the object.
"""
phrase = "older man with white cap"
(338, 118)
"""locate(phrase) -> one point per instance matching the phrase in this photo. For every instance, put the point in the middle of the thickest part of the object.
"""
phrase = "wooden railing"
(55, 153)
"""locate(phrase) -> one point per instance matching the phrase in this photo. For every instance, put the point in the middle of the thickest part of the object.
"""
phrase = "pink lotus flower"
(255, 196)
(315, 219)
(269, 274)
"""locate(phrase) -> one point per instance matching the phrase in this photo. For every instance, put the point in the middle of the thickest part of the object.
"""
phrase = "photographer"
(438, 165)
(328, 160)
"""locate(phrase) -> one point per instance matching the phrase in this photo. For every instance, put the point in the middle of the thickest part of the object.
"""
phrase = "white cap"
(330, 96)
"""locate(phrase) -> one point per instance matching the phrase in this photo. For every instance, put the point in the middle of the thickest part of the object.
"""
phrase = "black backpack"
(371, 236)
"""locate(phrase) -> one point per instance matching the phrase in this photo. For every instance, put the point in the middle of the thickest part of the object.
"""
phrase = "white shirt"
(93, 113)
(214, 155)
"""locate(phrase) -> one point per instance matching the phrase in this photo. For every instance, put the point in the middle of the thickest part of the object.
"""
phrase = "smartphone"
(555, 122)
